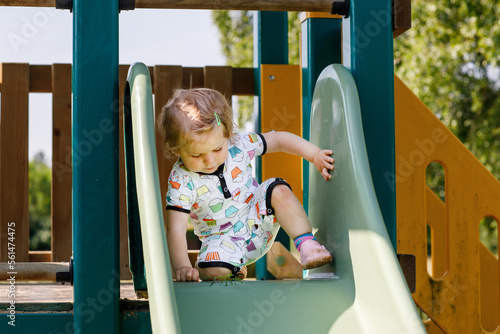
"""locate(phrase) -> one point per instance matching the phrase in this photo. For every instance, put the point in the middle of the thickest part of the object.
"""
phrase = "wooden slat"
(54, 297)
(168, 78)
(40, 256)
(401, 17)
(124, 255)
(219, 78)
(28, 3)
(192, 77)
(61, 162)
(243, 81)
(281, 264)
(40, 78)
(14, 159)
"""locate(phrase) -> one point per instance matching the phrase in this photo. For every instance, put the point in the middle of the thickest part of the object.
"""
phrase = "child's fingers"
(184, 275)
(327, 156)
(195, 276)
(329, 166)
(326, 175)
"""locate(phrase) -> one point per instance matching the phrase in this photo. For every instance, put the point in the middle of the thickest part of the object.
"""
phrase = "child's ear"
(176, 153)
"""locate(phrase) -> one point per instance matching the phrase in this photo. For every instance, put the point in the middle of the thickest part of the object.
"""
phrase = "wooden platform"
(34, 297)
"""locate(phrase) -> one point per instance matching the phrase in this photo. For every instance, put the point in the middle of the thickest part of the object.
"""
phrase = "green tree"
(39, 203)
(236, 29)
(450, 60)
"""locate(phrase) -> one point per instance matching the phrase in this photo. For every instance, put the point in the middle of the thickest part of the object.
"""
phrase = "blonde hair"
(193, 112)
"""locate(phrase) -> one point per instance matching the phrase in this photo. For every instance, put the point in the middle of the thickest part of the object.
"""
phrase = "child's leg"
(293, 218)
(289, 212)
(219, 273)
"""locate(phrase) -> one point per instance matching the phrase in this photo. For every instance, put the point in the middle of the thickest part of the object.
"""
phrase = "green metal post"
(270, 47)
(321, 46)
(368, 54)
(95, 167)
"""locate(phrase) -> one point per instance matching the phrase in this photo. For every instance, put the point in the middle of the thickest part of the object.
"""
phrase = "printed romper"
(230, 212)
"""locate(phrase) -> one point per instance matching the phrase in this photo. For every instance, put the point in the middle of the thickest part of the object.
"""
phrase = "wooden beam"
(281, 264)
(401, 17)
(41, 78)
(219, 78)
(167, 80)
(33, 271)
(61, 162)
(243, 81)
(273, 5)
(192, 77)
(40, 256)
(28, 3)
(14, 162)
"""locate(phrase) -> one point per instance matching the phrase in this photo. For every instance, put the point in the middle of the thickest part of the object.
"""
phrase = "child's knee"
(214, 273)
(281, 192)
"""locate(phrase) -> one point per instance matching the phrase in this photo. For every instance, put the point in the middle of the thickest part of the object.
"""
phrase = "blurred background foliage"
(39, 203)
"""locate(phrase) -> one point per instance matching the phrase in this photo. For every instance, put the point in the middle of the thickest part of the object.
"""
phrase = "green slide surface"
(141, 159)
(346, 217)
(364, 291)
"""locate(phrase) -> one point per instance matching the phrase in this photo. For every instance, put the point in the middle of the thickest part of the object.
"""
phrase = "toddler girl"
(211, 184)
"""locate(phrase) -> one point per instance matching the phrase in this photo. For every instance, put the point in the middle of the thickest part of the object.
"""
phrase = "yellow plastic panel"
(464, 298)
(281, 111)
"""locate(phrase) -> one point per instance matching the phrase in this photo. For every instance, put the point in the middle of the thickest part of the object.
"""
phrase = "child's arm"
(289, 143)
(177, 246)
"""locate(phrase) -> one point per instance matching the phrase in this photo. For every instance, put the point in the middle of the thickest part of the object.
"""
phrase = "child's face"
(206, 152)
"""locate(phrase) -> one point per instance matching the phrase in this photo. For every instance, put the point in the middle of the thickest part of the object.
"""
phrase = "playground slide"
(140, 149)
(348, 220)
(364, 291)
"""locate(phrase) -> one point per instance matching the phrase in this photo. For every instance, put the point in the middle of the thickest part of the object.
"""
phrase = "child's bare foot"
(313, 255)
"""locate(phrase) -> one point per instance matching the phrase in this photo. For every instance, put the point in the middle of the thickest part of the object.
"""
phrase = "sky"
(155, 37)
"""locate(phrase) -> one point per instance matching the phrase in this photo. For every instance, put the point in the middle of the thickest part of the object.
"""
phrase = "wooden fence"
(17, 81)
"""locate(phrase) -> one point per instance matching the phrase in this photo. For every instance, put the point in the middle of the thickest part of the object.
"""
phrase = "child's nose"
(209, 159)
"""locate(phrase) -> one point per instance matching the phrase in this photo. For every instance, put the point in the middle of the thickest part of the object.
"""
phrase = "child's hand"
(324, 163)
(187, 274)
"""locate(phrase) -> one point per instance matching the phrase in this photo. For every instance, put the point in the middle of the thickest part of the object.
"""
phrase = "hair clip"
(217, 118)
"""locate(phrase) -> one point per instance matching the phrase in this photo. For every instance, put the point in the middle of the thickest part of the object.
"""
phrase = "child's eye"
(218, 149)
(195, 156)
